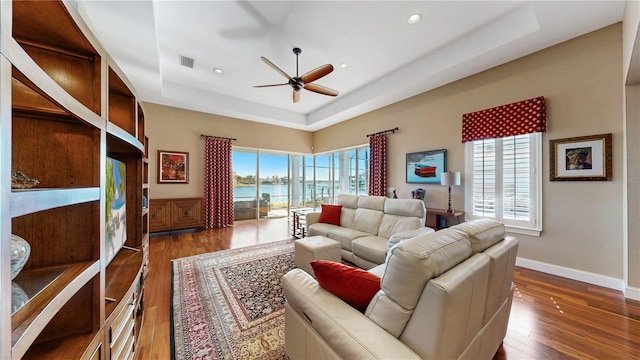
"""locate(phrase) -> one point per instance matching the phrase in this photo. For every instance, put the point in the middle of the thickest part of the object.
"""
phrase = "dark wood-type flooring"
(551, 317)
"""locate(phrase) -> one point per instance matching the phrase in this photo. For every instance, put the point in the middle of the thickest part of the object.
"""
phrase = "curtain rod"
(385, 131)
(217, 137)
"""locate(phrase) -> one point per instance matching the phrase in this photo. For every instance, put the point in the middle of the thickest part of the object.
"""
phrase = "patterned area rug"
(229, 304)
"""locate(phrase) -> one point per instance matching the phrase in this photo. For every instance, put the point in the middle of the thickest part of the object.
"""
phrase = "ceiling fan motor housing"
(296, 83)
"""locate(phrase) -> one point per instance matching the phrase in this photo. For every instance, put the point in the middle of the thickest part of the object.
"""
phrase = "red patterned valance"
(518, 118)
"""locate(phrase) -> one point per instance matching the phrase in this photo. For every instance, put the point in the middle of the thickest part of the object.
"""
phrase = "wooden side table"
(434, 216)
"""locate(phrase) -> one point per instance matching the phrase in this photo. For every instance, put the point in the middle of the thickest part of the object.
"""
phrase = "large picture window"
(269, 184)
(503, 181)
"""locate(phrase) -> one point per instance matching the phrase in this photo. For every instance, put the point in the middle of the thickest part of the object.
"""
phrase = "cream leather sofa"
(444, 295)
(366, 225)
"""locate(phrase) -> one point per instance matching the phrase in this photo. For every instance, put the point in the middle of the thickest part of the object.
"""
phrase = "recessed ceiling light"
(414, 18)
(343, 65)
(218, 71)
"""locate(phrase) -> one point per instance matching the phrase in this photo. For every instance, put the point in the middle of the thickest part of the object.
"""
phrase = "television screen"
(116, 208)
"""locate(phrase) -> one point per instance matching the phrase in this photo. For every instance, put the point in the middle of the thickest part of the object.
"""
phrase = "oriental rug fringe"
(229, 304)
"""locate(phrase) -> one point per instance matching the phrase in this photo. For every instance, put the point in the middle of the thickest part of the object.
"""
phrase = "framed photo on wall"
(173, 167)
(425, 167)
(584, 158)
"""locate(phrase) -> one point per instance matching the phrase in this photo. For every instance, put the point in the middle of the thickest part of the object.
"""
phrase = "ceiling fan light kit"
(298, 83)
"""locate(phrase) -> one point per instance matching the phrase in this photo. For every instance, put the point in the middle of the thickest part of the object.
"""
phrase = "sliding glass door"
(245, 186)
(269, 184)
(273, 170)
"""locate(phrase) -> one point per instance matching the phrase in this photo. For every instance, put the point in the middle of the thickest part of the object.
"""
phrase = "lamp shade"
(450, 178)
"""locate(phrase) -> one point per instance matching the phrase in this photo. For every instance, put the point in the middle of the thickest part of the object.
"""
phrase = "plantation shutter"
(484, 177)
(516, 178)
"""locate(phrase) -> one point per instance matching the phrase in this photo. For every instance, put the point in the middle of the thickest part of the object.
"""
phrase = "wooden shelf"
(69, 347)
(46, 31)
(33, 200)
(123, 135)
(121, 273)
(68, 107)
(28, 321)
(122, 105)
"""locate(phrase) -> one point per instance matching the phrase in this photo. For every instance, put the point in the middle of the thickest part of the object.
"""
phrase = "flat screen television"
(116, 208)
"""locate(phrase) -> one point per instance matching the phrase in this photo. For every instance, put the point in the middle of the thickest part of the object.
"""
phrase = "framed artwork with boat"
(425, 167)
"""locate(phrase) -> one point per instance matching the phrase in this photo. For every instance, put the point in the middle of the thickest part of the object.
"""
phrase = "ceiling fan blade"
(296, 96)
(274, 67)
(321, 89)
(261, 86)
(317, 73)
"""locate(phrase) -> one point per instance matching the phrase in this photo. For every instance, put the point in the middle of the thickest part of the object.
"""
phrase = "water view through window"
(270, 184)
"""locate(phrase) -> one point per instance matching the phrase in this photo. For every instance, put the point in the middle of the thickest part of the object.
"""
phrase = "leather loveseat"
(443, 295)
(366, 225)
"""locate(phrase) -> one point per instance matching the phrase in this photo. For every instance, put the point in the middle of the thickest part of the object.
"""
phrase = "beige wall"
(176, 129)
(581, 81)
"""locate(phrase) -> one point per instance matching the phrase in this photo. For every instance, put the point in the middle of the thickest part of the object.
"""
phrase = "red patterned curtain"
(218, 183)
(378, 165)
(519, 118)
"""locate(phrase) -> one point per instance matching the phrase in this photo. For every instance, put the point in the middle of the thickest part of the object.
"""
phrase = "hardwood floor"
(551, 317)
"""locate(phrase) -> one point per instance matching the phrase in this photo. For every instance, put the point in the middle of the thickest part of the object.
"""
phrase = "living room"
(591, 86)
(583, 236)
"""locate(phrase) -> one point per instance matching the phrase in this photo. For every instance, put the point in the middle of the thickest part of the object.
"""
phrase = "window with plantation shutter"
(503, 147)
(504, 181)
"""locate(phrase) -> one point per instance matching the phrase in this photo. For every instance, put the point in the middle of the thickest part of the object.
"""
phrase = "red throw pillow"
(354, 286)
(330, 214)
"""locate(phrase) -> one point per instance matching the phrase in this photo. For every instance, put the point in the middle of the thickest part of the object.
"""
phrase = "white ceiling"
(389, 60)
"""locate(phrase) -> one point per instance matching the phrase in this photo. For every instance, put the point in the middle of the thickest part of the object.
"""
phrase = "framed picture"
(173, 167)
(584, 158)
(425, 167)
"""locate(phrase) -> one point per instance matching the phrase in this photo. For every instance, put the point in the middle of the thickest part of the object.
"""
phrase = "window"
(504, 181)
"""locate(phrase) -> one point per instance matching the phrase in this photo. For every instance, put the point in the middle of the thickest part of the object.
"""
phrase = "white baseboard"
(578, 275)
(632, 293)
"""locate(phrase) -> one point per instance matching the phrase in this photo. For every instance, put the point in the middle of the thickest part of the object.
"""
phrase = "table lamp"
(450, 178)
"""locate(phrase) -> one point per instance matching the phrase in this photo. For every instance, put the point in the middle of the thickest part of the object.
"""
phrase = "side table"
(299, 223)
(434, 217)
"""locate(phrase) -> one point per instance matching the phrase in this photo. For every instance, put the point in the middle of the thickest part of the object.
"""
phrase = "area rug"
(229, 304)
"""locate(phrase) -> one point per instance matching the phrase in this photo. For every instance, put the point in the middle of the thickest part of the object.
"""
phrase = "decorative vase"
(20, 251)
(18, 297)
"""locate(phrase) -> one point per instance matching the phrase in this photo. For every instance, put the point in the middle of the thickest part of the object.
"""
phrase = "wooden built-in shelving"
(65, 107)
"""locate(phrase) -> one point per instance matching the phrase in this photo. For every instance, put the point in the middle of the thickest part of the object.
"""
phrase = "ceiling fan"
(305, 81)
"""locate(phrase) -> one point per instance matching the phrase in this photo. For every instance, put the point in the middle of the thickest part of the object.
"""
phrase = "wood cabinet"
(439, 218)
(175, 214)
(64, 108)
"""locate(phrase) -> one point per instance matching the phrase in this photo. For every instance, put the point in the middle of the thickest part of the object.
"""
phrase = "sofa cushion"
(405, 207)
(370, 248)
(372, 202)
(354, 286)
(482, 233)
(367, 220)
(348, 200)
(346, 217)
(415, 261)
(410, 265)
(345, 236)
(392, 224)
(330, 214)
(401, 236)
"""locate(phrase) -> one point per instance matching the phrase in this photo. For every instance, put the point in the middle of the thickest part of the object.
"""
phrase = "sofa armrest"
(312, 218)
(349, 333)
(404, 235)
